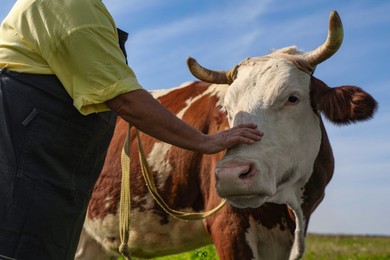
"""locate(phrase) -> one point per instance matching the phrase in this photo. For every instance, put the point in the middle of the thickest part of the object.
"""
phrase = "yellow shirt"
(74, 39)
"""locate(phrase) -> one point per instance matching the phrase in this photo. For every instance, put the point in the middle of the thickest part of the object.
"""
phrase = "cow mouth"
(246, 201)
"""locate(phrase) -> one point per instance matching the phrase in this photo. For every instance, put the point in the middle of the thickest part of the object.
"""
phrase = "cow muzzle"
(241, 183)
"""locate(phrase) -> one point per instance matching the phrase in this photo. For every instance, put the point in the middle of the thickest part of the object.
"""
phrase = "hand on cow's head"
(342, 105)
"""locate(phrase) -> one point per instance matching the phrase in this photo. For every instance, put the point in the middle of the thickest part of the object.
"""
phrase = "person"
(63, 81)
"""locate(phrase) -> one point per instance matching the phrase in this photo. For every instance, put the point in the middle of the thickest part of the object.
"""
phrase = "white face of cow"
(274, 94)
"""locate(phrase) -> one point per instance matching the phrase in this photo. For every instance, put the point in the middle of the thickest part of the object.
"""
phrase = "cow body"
(272, 186)
(176, 174)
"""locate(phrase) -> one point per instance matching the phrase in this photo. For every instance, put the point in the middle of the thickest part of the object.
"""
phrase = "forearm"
(148, 115)
(144, 112)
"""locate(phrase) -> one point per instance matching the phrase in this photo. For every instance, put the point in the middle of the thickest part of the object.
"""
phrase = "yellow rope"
(125, 202)
(124, 208)
(152, 188)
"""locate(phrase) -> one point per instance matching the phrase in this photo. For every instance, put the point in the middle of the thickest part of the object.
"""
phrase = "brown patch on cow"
(176, 99)
(110, 177)
(323, 168)
(229, 241)
(342, 105)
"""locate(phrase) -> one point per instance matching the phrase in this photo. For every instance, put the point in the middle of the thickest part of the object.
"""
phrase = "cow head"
(279, 94)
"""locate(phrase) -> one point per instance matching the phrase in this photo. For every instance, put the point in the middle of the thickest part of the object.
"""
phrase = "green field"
(342, 247)
(318, 247)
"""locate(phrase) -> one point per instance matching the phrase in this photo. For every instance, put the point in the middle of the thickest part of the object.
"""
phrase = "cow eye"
(293, 99)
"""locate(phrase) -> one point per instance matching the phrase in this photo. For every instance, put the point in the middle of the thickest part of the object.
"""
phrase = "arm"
(148, 115)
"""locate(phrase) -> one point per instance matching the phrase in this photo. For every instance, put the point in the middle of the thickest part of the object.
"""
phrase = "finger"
(248, 125)
(255, 136)
(245, 130)
(242, 137)
(236, 140)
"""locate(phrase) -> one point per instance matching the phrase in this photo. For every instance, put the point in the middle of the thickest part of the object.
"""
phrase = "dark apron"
(50, 159)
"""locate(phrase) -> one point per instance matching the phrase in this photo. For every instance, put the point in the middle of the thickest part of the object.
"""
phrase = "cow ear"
(342, 105)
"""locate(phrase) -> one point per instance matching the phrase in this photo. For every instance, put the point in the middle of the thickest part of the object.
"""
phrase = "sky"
(220, 34)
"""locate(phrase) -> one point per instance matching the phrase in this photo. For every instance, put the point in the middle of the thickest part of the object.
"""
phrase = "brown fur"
(342, 105)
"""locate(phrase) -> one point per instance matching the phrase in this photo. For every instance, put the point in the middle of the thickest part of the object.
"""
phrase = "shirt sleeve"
(92, 67)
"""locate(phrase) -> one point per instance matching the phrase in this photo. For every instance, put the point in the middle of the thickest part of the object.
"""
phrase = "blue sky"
(219, 34)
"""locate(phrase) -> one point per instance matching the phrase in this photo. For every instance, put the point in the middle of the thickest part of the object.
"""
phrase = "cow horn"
(332, 44)
(211, 76)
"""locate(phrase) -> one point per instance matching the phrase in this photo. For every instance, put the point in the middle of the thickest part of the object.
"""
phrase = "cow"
(272, 186)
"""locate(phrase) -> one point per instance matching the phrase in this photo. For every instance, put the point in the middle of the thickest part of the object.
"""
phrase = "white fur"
(158, 164)
(148, 238)
(267, 243)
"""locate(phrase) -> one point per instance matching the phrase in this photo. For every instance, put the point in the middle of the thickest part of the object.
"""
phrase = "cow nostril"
(235, 173)
(244, 174)
(249, 172)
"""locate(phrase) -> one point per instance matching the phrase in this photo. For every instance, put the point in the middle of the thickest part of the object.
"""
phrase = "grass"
(204, 253)
(318, 247)
(341, 247)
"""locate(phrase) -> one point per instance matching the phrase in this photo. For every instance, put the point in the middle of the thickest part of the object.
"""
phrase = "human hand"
(241, 134)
